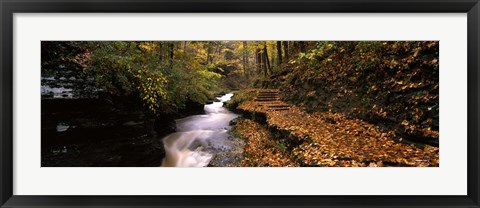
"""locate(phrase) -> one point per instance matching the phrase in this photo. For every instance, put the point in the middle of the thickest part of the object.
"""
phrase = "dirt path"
(332, 139)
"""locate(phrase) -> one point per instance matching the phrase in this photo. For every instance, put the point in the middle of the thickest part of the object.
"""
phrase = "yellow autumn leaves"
(152, 88)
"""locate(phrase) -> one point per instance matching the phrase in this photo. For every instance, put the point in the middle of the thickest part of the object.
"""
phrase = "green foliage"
(136, 69)
(240, 97)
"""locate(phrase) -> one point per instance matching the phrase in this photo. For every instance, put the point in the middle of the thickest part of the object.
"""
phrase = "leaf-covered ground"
(390, 83)
(262, 150)
(324, 139)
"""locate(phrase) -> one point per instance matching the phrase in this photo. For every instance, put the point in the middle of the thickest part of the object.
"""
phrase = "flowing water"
(200, 138)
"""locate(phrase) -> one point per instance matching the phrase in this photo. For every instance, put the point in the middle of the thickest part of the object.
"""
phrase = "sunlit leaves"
(152, 88)
(138, 69)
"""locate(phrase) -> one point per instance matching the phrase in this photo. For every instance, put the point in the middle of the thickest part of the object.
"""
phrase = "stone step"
(278, 106)
(269, 99)
(267, 95)
(268, 92)
(266, 100)
(279, 109)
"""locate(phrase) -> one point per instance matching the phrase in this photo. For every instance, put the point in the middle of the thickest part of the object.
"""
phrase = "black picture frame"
(9, 7)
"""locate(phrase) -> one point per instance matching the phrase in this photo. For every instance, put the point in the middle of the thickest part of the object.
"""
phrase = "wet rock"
(62, 127)
(229, 155)
(164, 124)
(234, 121)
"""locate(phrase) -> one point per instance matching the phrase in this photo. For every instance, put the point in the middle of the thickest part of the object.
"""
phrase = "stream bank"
(91, 133)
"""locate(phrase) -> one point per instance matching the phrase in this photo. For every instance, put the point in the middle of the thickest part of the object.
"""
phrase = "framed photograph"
(209, 103)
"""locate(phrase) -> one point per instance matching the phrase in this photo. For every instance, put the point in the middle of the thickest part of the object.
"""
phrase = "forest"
(240, 103)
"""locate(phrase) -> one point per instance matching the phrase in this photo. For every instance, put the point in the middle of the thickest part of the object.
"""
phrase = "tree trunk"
(285, 51)
(265, 52)
(245, 59)
(264, 65)
(171, 47)
(279, 52)
(208, 54)
(160, 54)
(302, 46)
(259, 60)
(217, 53)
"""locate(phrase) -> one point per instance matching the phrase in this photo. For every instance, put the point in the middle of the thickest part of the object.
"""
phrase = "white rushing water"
(198, 135)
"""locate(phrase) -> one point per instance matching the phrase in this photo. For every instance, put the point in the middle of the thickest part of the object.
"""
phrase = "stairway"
(270, 100)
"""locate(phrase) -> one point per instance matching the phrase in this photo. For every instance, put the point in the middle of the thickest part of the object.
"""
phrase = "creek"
(204, 140)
